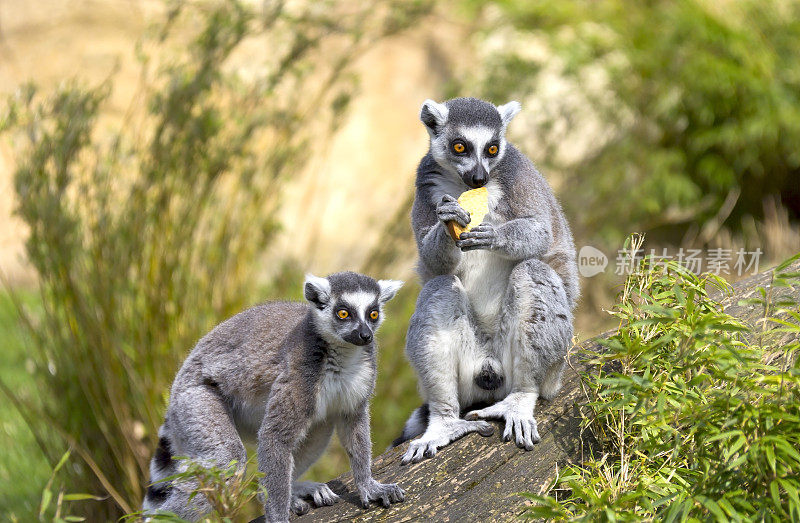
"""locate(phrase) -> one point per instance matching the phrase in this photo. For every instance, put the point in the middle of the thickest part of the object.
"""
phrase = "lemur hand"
(449, 210)
(484, 236)
(384, 493)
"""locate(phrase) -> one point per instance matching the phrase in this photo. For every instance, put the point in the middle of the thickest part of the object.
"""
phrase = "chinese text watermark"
(592, 261)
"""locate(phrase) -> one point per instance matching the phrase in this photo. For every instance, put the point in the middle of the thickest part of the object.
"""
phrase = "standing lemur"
(286, 374)
(493, 321)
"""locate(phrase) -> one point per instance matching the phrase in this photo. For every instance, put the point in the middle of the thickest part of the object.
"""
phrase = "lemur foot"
(441, 434)
(319, 494)
(521, 426)
(384, 493)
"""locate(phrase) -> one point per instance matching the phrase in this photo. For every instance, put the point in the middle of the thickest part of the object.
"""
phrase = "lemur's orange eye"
(373, 315)
(343, 314)
(492, 150)
(459, 147)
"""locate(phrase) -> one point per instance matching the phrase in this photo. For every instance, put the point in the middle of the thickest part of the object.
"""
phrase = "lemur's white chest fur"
(345, 383)
(484, 274)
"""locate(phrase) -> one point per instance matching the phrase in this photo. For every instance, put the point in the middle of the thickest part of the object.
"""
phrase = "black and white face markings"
(357, 315)
(468, 136)
(474, 151)
(349, 306)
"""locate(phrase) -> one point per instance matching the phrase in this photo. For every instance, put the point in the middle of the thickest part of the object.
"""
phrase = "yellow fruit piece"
(476, 203)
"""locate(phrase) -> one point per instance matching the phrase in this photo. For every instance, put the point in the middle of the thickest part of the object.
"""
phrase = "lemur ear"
(388, 289)
(317, 290)
(433, 115)
(508, 111)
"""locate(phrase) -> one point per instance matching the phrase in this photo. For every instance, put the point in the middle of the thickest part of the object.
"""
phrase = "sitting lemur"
(493, 321)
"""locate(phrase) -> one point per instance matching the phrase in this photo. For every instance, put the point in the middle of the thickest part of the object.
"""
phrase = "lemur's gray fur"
(286, 374)
(493, 321)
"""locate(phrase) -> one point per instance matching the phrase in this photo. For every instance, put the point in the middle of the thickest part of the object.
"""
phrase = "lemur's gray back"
(525, 194)
(236, 362)
(243, 354)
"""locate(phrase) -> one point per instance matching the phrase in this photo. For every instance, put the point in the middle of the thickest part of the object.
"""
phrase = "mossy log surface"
(477, 478)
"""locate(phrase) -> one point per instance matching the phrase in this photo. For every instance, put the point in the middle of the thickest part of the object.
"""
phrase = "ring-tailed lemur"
(493, 321)
(287, 374)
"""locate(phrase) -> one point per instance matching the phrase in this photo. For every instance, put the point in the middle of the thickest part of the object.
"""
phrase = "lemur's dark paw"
(319, 494)
(299, 506)
(383, 493)
(483, 236)
(449, 210)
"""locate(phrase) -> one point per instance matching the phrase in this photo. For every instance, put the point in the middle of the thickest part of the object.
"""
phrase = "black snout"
(363, 334)
(476, 177)
(360, 336)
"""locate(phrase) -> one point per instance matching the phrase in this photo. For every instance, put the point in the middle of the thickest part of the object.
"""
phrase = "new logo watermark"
(592, 261)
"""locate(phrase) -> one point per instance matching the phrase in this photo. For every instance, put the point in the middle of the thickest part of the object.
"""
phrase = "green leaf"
(775, 493)
(725, 435)
(770, 452)
(81, 497)
(47, 496)
(61, 462)
(791, 489)
(712, 506)
(786, 263)
(726, 506)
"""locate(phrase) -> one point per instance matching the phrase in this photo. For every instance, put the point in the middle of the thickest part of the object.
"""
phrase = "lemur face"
(348, 306)
(468, 136)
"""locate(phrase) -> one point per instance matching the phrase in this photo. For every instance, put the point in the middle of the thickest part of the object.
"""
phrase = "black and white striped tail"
(161, 466)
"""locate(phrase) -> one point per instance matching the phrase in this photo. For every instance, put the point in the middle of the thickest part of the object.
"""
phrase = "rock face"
(477, 478)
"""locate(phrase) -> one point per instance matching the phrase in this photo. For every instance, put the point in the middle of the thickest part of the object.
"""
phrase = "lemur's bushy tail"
(161, 466)
(416, 425)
